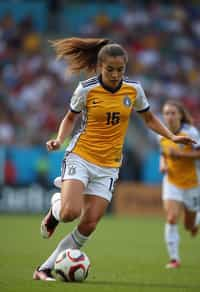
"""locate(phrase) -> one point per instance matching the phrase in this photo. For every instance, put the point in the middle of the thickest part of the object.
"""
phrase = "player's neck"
(175, 128)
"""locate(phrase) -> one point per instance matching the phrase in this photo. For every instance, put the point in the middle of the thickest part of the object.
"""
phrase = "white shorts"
(189, 197)
(98, 181)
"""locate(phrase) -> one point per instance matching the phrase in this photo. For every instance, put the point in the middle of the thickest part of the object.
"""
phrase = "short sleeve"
(141, 103)
(195, 135)
(77, 102)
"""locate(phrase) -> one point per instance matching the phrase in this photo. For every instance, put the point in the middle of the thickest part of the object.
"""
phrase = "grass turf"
(127, 254)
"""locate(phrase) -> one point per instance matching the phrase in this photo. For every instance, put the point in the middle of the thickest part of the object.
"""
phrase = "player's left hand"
(183, 140)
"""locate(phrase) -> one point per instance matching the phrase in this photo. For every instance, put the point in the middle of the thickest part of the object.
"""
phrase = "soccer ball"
(72, 265)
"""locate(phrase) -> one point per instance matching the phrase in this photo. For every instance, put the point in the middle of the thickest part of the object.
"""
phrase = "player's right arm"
(67, 125)
(65, 129)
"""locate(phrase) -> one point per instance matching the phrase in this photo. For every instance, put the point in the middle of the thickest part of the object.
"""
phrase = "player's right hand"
(53, 145)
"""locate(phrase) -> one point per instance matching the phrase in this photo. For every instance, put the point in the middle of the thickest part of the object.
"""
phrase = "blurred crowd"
(163, 42)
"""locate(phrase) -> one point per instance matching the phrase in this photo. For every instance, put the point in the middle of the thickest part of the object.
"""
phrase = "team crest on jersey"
(127, 101)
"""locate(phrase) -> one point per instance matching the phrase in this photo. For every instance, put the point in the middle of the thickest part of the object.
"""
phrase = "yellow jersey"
(105, 115)
(182, 172)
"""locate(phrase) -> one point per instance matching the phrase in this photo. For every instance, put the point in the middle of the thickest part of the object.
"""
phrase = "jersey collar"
(112, 90)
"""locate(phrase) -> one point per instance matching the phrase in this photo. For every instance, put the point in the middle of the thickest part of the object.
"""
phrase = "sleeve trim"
(73, 111)
(144, 110)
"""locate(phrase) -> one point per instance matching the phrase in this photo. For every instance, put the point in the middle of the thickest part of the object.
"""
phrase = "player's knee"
(172, 218)
(68, 214)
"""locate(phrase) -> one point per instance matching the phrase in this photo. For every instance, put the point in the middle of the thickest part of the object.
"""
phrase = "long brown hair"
(86, 53)
(186, 117)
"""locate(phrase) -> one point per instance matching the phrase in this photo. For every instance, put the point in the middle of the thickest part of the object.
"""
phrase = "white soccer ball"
(72, 265)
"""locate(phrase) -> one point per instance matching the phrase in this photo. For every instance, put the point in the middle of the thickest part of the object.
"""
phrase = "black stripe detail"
(144, 110)
(91, 79)
(77, 243)
(89, 82)
(73, 111)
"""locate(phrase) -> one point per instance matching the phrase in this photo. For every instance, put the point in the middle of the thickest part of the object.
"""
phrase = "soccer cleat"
(48, 225)
(173, 264)
(43, 275)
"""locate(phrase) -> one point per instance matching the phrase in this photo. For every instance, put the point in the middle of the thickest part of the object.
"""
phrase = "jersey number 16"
(112, 118)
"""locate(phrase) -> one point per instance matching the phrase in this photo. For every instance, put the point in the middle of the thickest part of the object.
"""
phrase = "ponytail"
(80, 53)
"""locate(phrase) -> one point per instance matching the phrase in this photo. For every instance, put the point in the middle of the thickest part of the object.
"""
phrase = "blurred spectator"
(163, 42)
(10, 173)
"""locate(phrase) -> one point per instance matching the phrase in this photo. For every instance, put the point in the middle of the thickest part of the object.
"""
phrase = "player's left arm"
(179, 153)
(141, 105)
(155, 124)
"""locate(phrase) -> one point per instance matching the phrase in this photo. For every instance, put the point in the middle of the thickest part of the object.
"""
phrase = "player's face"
(172, 116)
(112, 70)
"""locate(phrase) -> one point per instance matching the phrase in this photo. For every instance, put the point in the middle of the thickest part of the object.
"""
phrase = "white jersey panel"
(78, 99)
(192, 132)
(141, 103)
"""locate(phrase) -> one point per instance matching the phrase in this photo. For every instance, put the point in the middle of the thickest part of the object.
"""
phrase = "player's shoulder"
(130, 81)
(136, 85)
(91, 82)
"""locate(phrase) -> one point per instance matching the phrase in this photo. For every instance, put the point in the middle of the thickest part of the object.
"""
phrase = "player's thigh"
(74, 181)
(172, 197)
(72, 194)
(172, 209)
(94, 207)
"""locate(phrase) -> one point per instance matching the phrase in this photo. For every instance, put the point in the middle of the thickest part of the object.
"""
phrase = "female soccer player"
(181, 180)
(91, 164)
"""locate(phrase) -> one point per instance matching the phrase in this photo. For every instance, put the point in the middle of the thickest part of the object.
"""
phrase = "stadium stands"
(163, 45)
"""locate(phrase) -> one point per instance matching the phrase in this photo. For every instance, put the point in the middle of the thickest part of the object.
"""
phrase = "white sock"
(172, 240)
(56, 205)
(73, 240)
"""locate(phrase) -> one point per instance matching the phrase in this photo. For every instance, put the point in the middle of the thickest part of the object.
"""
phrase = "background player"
(181, 180)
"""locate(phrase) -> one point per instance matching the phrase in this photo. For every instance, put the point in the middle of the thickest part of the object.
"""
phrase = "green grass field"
(127, 254)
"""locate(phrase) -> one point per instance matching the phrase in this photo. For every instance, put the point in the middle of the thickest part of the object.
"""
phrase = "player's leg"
(65, 206)
(93, 211)
(191, 207)
(172, 203)
(70, 208)
(172, 212)
(189, 221)
(94, 208)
